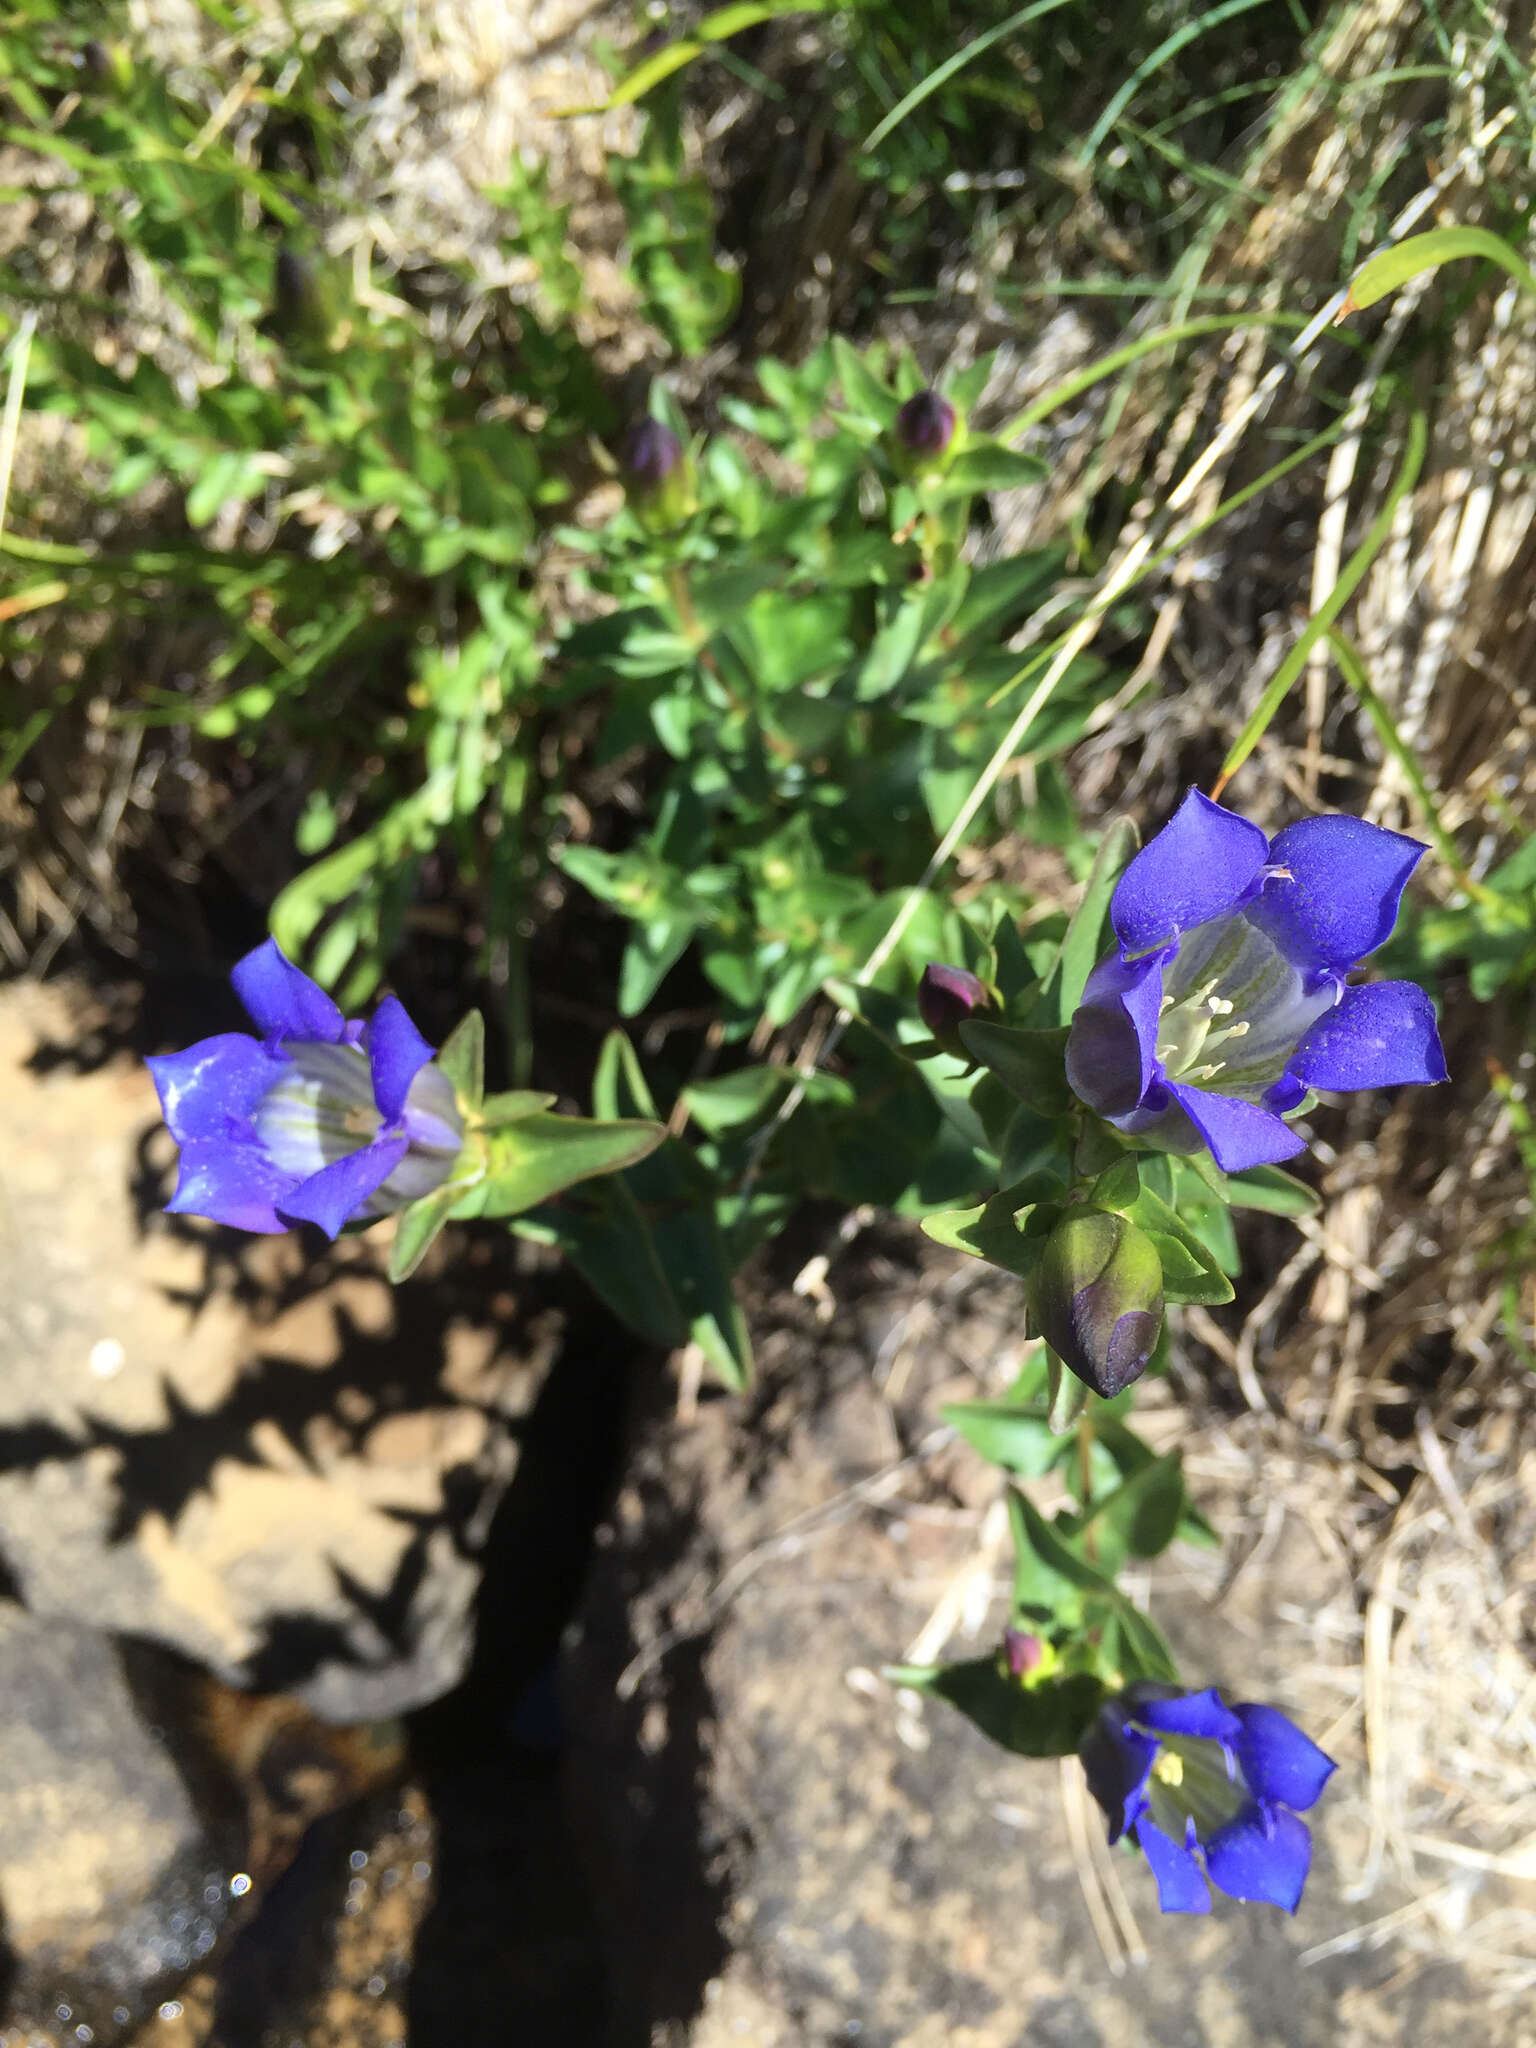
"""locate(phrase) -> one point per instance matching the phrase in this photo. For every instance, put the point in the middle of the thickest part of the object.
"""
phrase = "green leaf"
(610, 1243)
(462, 1059)
(619, 1088)
(1019, 1439)
(1140, 1517)
(863, 391)
(539, 1155)
(992, 1230)
(988, 466)
(728, 1100)
(1390, 269)
(1269, 1189)
(1049, 1719)
(1186, 1275)
(417, 1226)
(1028, 1063)
(1118, 1187)
(511, 1106)
(1083, 945)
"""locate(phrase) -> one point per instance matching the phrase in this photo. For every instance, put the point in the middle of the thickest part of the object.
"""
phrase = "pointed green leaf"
(1019, 1439)
(1049, 1719)
(1029, 1064)
(1270, 1189)
(1085, 942)
(1118, 1187)
(462, 1059)
(1139, 1518)
(511, 1106)
(417, 1226)
(1186, 1275)
(1008, 1231)
(619, 1087)
(539, 1155)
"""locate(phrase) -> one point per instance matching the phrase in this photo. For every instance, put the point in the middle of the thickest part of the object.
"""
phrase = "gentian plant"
(1128, 1096)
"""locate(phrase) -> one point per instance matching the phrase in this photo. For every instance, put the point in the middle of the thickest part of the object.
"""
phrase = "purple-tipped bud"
(650, 453)
(1096, 1297)
(946, 996)
(106, 64)
(1024, 1653)
(926, 424)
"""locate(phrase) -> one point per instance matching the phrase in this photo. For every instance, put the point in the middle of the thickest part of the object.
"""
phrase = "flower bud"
(1023, 1653)
(298, 303)
(107, 64)
(926, 423)
(658, 475)
(1097, 1298)
(946, 996)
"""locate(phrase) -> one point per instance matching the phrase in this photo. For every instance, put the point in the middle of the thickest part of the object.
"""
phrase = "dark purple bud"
(1096, 1297)
(106, 64)
(1023, 1652)
(946, 996)
(650, 453)
(925, 425)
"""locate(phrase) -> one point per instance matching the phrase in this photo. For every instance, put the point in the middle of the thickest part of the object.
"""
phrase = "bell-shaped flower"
(319, 1120)
(1226, 1000)
(1207, 1792)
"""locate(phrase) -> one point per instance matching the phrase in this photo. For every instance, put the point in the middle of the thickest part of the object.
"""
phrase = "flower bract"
(319, 1120)
(1207, 1792)
(1225, 1001)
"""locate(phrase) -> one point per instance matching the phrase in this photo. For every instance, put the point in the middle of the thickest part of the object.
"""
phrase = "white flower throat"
(1234, 1009)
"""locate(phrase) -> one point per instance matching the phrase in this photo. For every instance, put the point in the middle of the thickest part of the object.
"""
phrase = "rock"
(297, 1505)
(114, 1879)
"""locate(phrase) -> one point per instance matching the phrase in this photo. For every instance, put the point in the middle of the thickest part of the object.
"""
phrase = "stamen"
(1220, 1007)
(1165, 1004)
(1204, 1073)
(1169, 1767)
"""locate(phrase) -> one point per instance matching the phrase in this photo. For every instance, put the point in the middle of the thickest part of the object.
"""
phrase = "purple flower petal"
(1378, 1036)
(1202, 863)
(281, 999)
(397, 1052)
(213, 1087)
(1264, 1854)
(339, 1190)
(1181, 1885)
(1116, 1760)
(1188, 1713)
(1277, 1760)
(1338, 900)
(229, 1183)
(1112, 1047)
(1239, 1134)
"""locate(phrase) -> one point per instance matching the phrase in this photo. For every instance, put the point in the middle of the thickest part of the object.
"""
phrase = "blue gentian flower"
(320, 1120)
(1226, 1000)
(1192, 1780)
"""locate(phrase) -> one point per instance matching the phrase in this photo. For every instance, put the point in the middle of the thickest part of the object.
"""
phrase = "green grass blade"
(1390, 269)
(1169, 47)
(946, 71)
